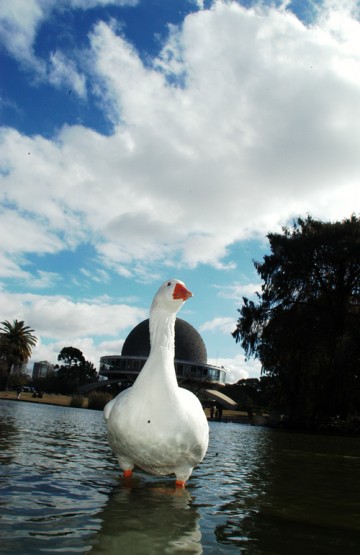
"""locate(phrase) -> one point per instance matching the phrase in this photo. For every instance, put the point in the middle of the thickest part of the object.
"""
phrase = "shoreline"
(65, 401)
(47, 398)
(231, 416)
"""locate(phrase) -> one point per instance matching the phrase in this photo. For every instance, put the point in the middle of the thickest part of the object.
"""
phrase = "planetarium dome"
(191, 367)
(189, 345)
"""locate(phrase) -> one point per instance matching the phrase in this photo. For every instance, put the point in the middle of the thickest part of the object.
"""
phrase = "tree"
(17, 380)
(305, 327)
(246, 393)
(17, 342)
(71, 357)
(76, 371)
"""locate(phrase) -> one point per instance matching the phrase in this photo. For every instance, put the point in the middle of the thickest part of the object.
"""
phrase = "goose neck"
(162, 332)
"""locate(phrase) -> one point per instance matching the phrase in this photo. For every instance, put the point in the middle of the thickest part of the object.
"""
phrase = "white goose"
(156, 425)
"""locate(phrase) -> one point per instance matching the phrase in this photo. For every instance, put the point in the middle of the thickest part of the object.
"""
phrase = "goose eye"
(168, 283)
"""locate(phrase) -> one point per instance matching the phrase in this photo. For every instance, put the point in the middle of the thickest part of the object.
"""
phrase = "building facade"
(192, 370)
(42, 369)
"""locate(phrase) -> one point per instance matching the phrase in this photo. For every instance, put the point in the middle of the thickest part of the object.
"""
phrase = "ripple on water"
(54, 478)
(257, 492)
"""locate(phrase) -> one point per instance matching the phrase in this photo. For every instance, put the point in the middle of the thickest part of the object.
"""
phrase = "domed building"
(191, 366)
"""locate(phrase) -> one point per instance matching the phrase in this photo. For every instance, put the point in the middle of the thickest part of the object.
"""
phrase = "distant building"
(192, 370)
(42, 369)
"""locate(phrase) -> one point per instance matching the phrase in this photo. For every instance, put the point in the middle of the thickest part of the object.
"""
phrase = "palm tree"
(16, 343)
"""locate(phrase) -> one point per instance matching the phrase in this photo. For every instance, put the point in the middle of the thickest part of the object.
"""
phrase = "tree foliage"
(75, 370)
(305, 325)
(16, 344)
(71, 357)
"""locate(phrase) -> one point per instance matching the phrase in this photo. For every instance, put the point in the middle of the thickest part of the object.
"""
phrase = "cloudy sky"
(149, 139)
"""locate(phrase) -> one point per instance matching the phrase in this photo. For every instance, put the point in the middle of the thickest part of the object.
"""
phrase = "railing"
(119, 365)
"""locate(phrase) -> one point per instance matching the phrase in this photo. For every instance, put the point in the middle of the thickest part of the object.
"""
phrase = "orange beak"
(180, 292)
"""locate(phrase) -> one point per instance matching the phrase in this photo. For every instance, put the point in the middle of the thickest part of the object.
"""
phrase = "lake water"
(258, 491)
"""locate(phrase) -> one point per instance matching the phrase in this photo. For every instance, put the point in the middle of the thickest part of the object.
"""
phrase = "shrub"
(77, 401)
(98, 399)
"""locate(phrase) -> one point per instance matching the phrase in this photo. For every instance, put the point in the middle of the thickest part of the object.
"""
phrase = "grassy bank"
(47, 398)
(67, 401)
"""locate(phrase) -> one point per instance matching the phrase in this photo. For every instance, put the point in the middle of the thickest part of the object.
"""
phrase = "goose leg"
(126, 466)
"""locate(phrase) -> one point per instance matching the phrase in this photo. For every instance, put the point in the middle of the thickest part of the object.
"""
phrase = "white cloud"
(219, 324)
(60, 321)
(246, 119)
(62, 72)
(238, 368)
(96, 274)
(92, 351)
(11, 267)
(43, 280)
(263, 128)
(250, 136)
(25, 234)
(65, 318)
(20, 21)
(236, 291)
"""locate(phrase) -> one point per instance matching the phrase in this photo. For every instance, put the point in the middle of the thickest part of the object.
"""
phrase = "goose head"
(171, 295)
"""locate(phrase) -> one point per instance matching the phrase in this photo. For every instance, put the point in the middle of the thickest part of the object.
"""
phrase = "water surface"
(258, 491)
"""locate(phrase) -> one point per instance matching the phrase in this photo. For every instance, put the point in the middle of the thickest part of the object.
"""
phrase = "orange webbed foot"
(127, 473)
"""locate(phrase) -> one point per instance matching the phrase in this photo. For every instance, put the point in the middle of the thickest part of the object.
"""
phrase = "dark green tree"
(305, 325)
(71, 357)
(75, 370)
(246, 393)
(16, 344)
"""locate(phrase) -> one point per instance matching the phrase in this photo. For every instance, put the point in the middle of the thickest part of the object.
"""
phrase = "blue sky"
(142, 140)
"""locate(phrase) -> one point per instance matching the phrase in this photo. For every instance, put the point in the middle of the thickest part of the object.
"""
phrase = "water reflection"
(233, 481)
(54, 478)
(148, 518)
(257, 492)
(295, 492)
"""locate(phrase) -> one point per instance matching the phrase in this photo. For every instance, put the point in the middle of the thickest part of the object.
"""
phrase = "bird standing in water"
(156, 425)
